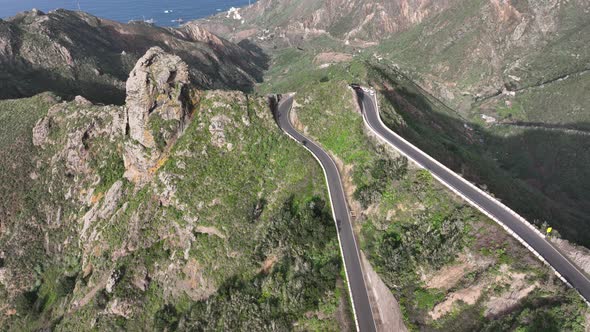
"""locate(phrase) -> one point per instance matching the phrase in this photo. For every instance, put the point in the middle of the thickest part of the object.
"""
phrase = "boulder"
(41, 131)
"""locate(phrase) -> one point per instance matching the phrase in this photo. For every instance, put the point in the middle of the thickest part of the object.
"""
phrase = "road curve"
(515, 224)
(348, 246)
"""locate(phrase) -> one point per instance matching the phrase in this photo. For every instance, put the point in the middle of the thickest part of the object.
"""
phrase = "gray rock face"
(103, 211)
(217, 130)
(41, 131)
(76, 156)
(158, 110)
(111, 200)
(82, 101)
(138, 162)
(6, 41)
(196, 32)
(155, 88)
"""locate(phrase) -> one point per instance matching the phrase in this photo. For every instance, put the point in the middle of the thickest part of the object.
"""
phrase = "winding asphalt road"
(348, 246)
(515, 224)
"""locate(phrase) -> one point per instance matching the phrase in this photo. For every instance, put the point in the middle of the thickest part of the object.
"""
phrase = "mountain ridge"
(287, 22)
(73, 53)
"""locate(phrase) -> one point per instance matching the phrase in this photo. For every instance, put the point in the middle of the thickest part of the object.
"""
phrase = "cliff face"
(74, 53)
(156, 87)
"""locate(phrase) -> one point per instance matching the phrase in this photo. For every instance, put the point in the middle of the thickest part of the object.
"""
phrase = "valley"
(147, 185)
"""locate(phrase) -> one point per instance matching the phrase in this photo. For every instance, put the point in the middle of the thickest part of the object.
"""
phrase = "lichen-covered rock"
(156, 87)
(217, 130)
(120, 308)
(6, 41)
(104, 210)
(75, 151)
(41, 131)
(82, 101)
(111, 200)
(198, 33)
(140, 278)
(138, 162)
(159, 107)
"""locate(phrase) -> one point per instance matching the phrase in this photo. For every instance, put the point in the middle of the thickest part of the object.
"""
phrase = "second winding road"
(348, 246)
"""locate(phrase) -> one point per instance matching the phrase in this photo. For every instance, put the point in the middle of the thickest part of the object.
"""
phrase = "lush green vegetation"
(243, 223)
(111, 169)
(539, 168)
(383, 171)
(305, 272)
(18, 117)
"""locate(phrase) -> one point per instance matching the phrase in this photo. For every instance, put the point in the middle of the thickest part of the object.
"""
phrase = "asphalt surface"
(348, 246)
(553, 257)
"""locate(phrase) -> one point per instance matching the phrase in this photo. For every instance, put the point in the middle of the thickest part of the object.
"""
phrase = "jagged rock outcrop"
(138, 162)
(41, 131)
(216, 128)
(104, 210)
(80, 124)
(156, 88)
(159, 106)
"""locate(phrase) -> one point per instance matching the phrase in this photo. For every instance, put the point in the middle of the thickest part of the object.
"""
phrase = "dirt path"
(91, 294)
(386, 311)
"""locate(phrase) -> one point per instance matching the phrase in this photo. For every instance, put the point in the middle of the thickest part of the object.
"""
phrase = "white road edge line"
(481, 209)
(337, 231)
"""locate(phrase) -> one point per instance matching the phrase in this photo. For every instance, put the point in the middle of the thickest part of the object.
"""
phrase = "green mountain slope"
(479, 48)
(516, 72)
(287, 22)
(449, 267)
(227, 228)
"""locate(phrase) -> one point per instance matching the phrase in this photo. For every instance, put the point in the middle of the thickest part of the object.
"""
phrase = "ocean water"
(160, 12)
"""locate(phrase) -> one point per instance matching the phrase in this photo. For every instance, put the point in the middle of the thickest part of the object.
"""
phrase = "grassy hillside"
(477, 48)
(230, 227)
